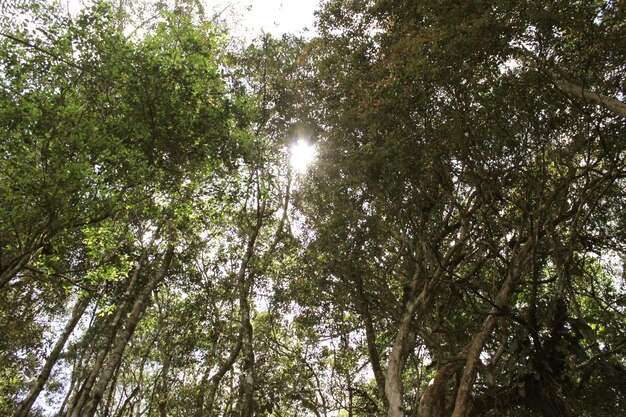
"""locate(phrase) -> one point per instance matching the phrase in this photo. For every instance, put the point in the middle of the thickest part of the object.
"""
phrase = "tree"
(99, 140)
(457, 170)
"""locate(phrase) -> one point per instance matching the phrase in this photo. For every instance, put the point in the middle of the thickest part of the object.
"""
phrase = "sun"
(302, 154)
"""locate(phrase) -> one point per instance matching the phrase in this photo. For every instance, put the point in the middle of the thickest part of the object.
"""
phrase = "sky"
(250, 18)
(274, 16)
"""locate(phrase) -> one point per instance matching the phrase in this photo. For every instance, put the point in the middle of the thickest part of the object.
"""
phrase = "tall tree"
(465, 154)
(106, 139)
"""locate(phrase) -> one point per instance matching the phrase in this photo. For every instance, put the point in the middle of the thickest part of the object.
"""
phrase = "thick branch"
(609, 103)
(371, 342)
(475, 347)
(219, 375)
(562, 81)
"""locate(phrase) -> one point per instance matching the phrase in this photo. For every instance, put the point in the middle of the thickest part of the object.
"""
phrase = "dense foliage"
(455, 250)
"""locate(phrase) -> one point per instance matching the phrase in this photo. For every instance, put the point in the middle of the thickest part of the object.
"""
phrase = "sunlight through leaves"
(302, 154)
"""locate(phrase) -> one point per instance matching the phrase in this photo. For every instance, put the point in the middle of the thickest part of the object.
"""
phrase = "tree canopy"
(456, 248)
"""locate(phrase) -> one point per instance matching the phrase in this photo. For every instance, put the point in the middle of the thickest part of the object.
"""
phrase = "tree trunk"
(219, 375)
(115, 355)
(372, 349)
(79, 309)
(432, 403)
(405, 337)
(244, 283)
(247, 406)
(122, 409)
(111, 397)
(246, 400)
(474, 349)
(397, 360)
(164, 394)
(83, 392)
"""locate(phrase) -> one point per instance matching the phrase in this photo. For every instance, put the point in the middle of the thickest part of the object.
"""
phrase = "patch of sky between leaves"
(249, 19)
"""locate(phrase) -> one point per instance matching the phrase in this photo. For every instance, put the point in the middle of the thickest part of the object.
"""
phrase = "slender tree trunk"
(418, 301)
(372, 350)
(219, 375)
(85, 389)
(164, 394)
(244, 283)
(397, 360)
(122, 409)
(404, 342)
(67, 395)
(474, 349)
(83, 392)
(200, 396)
(93, 398)
(247, 402)
(350, 397)
(79, 309)
(78, 369)
(111, 397)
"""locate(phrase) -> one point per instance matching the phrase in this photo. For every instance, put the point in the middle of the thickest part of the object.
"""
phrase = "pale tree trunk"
(114, 357)
(397, 360)
(79, 399)
(79, 309)
(245, 341)
(246, 401)
(432, 403)
(108, 404)
(405, 338)
(78, 367)
(81, 395)
(244, 284)
(164, 394)
(404, 342)
(562, 81)
(609, 103)
(474, 349)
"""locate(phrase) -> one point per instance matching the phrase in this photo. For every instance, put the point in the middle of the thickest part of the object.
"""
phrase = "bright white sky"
(252, 17)
(273, 16)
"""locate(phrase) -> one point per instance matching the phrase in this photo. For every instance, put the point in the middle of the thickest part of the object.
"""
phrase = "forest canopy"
(455, 246)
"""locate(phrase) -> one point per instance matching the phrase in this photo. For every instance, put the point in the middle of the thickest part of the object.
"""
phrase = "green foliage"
(455, 174)
(10, 382)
